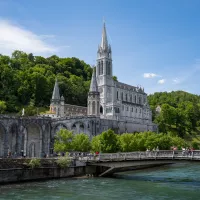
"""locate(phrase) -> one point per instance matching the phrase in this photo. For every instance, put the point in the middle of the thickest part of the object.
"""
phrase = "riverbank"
(17, 170)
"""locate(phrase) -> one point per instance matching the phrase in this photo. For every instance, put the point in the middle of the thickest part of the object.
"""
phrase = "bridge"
(110, 163)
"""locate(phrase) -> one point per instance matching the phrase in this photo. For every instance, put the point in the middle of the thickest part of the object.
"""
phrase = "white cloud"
(150, 75)
(14, 37)
(176, 81)
(161, 81)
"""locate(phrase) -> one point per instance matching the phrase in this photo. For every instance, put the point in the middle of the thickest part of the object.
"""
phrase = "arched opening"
(81, 128)
(33, 141)
(32, 150)
(59, 127)
(2, 136)
(101, 110)
(13, 140)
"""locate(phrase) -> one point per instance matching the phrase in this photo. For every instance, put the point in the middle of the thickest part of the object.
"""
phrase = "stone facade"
(111, 105)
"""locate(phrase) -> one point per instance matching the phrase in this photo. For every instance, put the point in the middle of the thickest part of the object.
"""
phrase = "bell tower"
(104, 72)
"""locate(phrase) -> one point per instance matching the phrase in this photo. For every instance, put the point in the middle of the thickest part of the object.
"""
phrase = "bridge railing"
(142, 155)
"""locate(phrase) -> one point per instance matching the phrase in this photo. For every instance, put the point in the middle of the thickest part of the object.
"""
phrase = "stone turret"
(93, 96)
(55, 100)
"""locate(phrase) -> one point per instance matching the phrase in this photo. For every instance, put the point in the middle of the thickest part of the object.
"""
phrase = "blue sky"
(155, 43)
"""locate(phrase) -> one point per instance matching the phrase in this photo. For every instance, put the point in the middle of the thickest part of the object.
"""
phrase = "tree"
(81, 142)
(96, 143)
(63, 141)
(109, 142)
(2, 106)
(125, 142)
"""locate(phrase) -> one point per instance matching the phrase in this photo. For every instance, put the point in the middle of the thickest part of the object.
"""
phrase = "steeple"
(93, 96)
(93, 84)
(104, 41)
(56, 93)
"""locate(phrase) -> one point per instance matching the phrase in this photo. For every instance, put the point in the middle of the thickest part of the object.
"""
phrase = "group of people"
(187, 151)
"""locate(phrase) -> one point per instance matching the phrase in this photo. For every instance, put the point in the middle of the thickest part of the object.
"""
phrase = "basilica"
(113, 104)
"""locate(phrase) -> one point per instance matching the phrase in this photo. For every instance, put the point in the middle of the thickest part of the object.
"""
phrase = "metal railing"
(142, 155)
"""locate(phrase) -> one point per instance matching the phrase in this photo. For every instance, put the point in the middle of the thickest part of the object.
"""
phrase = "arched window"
(97, 107)
(108, 69)
(130, 98)
(139, 100)
(117, 95)
(126, 97)
(99, 68)
(101, 110)
(135, 99)
(93, 107)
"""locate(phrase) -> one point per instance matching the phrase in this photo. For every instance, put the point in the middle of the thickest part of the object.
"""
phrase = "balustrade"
(144, 155)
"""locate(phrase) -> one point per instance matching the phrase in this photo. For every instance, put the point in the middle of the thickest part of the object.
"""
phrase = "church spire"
(104, 41)
(56, 93)
(93, 84)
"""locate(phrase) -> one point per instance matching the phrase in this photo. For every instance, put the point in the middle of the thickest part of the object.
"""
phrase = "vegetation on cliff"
(180, 112)
(27, 81)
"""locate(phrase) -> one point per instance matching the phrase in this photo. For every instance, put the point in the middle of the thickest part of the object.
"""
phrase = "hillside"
(27, 81)
(180, 112)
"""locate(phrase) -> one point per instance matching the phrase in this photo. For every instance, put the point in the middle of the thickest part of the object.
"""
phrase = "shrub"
(34, 163)
(64, 161)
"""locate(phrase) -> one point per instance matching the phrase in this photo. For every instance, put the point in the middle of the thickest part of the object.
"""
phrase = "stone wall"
(17, 175)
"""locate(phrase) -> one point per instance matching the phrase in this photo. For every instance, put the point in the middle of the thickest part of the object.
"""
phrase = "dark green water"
(173, 182)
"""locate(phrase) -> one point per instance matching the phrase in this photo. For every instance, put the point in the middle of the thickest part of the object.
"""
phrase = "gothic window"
(126, 97)
(117, 95)
(97, 107)
(109, 68)
(93, 107)
(101, 109)
(99, 67)
(139, 100)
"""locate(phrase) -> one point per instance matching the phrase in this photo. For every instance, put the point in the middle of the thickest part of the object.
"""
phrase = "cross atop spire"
(104, 41)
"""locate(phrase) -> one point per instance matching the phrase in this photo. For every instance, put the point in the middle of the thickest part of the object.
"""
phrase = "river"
(179, 181)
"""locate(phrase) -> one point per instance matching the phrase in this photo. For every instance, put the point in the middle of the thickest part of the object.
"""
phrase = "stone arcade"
(111, 104)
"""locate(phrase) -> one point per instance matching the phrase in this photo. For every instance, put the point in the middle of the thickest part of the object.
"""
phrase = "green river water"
(180, 181)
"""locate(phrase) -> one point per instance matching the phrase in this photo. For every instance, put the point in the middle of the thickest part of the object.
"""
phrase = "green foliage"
(96, 144)
(114, 78)
(63, 141)
(107, 142)
(34, 163)
(64, 161)
(180, 112)
(81, 142)
(26, 78)
(2, 107)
